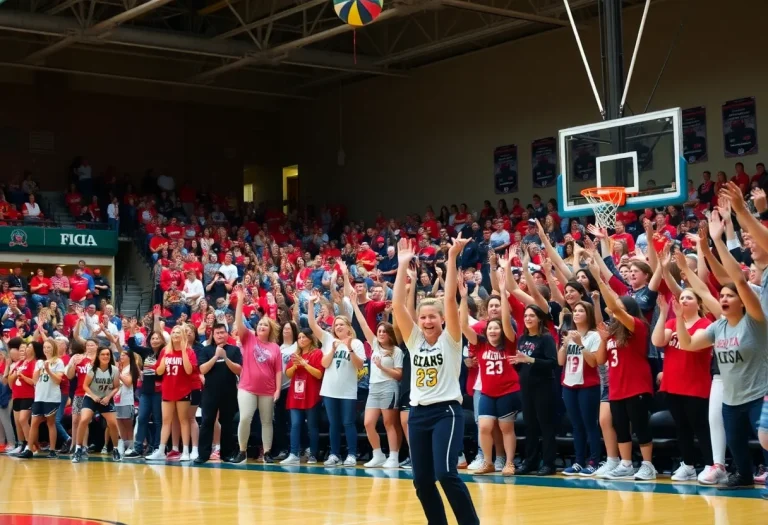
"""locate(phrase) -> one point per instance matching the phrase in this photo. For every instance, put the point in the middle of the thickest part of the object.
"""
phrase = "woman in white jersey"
(436, 422)
(383, 393)
(101, 385)
(343, 356)
(47, 376)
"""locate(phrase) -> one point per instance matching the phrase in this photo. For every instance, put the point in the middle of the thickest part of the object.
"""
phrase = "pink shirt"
(261, 365)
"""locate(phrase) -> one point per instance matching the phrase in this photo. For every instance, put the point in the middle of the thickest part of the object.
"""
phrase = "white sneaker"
(194, 455)
(332, 461)
(157, 455)
(713, 475)
(462, 463)
(351, 461)
(391, 462)
(14, 451)
(647, 472)
(606, 468)
(376, 461)
(684, 473)
(622, 472)
(185, 457)
(477, 462)
(292, 459)
(499, 463)
(305, 454)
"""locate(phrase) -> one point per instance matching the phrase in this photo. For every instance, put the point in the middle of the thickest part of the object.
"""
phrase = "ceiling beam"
(278, 51)
(269, 19)
(508, 13)
(173, 83)
(97, 29)
(62, 6)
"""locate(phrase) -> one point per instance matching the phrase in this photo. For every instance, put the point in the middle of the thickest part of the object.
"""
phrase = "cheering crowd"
(291, 317)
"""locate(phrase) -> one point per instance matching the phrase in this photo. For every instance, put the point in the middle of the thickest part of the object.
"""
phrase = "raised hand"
(732, 193)
(599, 233)
(352, 297)
(663, 305)
(411, 273)
(677, 308)
(405, 251)
(575, 337)
(759, 198)
(458, 245)
(462, 286)
(716, 225)
(342, 267)
(602, 329)
(313, 297)
(595, 295)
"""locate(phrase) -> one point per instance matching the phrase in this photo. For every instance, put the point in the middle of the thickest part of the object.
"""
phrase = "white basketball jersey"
(435, 369)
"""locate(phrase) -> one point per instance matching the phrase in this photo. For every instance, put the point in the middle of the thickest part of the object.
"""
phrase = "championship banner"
(544, 162)
(695, 135)
(740, 127)
(505, 169)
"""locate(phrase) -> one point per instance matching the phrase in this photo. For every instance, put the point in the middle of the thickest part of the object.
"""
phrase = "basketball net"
(605, 201)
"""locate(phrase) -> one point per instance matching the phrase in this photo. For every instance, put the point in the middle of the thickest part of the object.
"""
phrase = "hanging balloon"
(358, 12)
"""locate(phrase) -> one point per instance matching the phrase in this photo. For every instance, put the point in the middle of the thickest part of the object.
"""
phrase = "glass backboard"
(642, 153)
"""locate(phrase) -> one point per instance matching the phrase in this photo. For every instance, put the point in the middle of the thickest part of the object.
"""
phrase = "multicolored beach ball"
(358, 12)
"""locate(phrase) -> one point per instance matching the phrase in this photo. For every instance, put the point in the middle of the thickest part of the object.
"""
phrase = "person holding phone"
(101, 385)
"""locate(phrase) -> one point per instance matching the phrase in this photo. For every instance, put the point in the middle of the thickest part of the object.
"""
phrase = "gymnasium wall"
(429, 138)
(204, 144)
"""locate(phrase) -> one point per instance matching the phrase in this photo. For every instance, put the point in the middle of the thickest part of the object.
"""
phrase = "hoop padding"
(605, 201)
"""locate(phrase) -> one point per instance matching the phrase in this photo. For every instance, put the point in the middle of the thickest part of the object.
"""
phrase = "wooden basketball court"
(56, 492)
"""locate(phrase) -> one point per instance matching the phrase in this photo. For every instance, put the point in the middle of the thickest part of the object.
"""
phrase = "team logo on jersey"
(18, 238)
(42, 519)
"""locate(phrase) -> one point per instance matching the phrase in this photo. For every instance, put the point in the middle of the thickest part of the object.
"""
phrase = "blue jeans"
(583, 408)
(341, 412)
(59, 415)
(114, 224)
(36, 299)
(312, 416)
(740, 424)
(149, 404)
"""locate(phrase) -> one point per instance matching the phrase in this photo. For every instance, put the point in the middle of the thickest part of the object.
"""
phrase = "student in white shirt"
(384, 389)
(436, 420)
(343, 356)
(193, 291)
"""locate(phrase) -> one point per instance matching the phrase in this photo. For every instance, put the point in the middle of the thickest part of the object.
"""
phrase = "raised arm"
(748, 297)
(506, 315)
(661, 336)
(538, 299)
(464, 313)
(747, 221)
(367, 332)
(698, 286)
(450, 307)
(400, 297)
(239, 325)
(557, 261)
(555, 294)
(612, 300)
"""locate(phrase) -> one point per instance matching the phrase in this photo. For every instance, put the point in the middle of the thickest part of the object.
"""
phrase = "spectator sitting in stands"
(31, 210)
(39, 287)
(193, 291)
(86, 215)
(17, 283)
(173, 300)
(74, 200)
(60, 288)
(11, 313)
(7, 210)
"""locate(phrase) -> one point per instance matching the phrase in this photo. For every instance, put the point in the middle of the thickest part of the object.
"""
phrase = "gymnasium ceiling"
(281, 50)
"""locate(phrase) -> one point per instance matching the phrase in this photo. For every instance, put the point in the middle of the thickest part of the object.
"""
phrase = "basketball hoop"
(605, 200)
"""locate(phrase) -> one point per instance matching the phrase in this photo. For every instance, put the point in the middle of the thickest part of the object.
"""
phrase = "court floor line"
(661, 487)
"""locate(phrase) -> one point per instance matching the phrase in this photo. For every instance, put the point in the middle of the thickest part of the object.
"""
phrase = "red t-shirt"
(79, 288)
(46, 285)
(627, 238)
(174, 231)
(156, 242)
(81, 371)
(629, 373)
(70, 320)
(304, 392)
(177, 384)
(20, 389)
(498, 376)
(686, 373)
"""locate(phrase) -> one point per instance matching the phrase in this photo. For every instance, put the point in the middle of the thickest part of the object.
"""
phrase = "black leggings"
(632, 414)
(691, 415)
(539, 416)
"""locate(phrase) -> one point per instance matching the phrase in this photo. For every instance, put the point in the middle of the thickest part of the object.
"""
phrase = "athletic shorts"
(19, 405)
(384, 396)
(77, 405)
(124, 412)
(98, 408)
(503, 408)
(195, 397)
(404, 404)
(44, 408)
(603, 394)
(762, 426)
(188, 398)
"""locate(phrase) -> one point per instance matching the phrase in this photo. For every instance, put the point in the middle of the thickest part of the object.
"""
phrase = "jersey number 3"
(614, 358)
(426, 377)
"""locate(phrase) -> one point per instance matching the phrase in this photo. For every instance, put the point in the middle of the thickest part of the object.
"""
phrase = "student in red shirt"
(687, 381)
(622, 235)
(306, 374)
(624, 347)
(177, 365)
(23, 391)
(499, 382)
(79, 287)
(77, 369)
(741, 178)
(39, 287)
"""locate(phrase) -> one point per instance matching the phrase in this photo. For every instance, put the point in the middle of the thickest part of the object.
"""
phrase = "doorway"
(290, 189)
